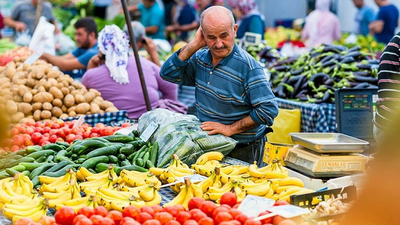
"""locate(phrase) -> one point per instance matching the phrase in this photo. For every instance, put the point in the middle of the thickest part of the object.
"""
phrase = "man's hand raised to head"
(197, 43)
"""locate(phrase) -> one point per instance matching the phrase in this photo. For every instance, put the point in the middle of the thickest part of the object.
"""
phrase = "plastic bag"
(43, 38)
(287, 121)
(66, 44)
(23, 38)
(181, 135)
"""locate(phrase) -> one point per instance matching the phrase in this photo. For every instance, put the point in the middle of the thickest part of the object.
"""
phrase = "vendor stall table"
(314, 117)
(107, 118)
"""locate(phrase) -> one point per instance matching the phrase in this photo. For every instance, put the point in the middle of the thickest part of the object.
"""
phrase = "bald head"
(216, 15)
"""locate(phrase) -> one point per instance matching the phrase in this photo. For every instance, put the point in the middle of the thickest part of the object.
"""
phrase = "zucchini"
(33, 148)
(58, 166)
(39, 170)
(104, 166)
(38, 154)
(54, 147)
(62, 143)
(104, 151)
(92, 162)
(32, 165)
(113, 159)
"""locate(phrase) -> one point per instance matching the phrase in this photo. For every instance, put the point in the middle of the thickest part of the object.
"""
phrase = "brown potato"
(56, 111)
(11, 107)
(43, 97)
(111, 109)
(47, 106)
(89, 97)
(69, 100)
(45, 114)
(64, 108)
(25, 108)
(36, 115)
(17, 98)
(94, 108)
(57, 102)
(72, 114)
(79, 98)
(27, 97)
(108, 104)
(72, 108)
(65, 91)
(57, 93)
(16, 117)
(63, 116)
(83, 108)
(36, 106)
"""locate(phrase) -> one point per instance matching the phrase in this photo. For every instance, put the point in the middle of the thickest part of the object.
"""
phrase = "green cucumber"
(121, 157)
(41, 169)
(12, 163)
(92, 162)
(149, 164)
(118, 138)
(104, 151)
(33, 148)
(139, 162)
(146, 156)
(125, 163)
(62, 143)
(38, 154)
(26, 173)
(54, 147)
(49, 158)
(15, 169)
(89, 145)
(41, 159)
(131, 156)
(31, 166)
(58, 166)
(130, 168)
(57, 158)
(127, 149)
(104, 166)
(113, 159)
(4, 174)
(139, 153)
(154, 153)
(80, 160)
(136, 133)
(61, 172)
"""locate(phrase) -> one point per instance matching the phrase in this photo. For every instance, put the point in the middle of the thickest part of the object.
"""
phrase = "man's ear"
(235, 28)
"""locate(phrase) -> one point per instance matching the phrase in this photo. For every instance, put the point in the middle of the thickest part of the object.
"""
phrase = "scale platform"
(324, 165)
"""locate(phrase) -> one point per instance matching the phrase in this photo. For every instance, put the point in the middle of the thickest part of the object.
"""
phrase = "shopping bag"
(287, 121)
(43, 38)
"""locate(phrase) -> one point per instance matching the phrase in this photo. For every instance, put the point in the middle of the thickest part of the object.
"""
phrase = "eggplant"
(355, 48)
(362, 73)
(301, 93)
(297, 72)
(326, 97)
(365, 79)
(357, 55)
(363, 85)
(364, 66)
(329, 63)
(373, 61)
(297, 86)
(329, 81)
(334, 48)
(281, 68)
(293, 79)
(348, 59)
(319, 78)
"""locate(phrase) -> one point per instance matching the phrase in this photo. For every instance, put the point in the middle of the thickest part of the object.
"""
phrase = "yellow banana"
(270, 193)
(148, 193)
(254, 172)
(26, 179)
(214, 195)
(272, 175)
(77, 201)
(226, 169)
(118, 194)
(96, 184)
(178, 199)
(184, 170)
(209, 156)
(156, 171)
(63, 198)
(264, 183)
(259, 191)
(156, 200)
(79, 176)
(9, 213)
(283, 169)
(204, 184)
(291, 181)
(289, 191)
(203, 169)
(49, 180)
(26, 205)
(131, 189)
(35, 216)
(299, 192)
(212, 162)
(119, 205)
(189, 195)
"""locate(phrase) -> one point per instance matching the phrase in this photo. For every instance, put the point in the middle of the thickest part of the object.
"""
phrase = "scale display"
(357, 102)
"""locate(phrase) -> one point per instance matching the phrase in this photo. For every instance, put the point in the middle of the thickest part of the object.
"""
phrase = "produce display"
(314, 76)
(366, 43)
(15, 53)
(273, 36)
(5, 45)
(38, 92)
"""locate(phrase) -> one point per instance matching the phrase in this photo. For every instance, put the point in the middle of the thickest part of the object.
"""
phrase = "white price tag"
(253, 205)
(127, 130)
(32, 58)
(80, 121)
(193, 178)
(145, 136)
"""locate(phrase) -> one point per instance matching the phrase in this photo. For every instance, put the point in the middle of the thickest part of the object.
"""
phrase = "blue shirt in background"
(153, 16)
(83, 56)
(389, 14)
(364, 17)
(233, 89)
(251, 23)
(187, 16)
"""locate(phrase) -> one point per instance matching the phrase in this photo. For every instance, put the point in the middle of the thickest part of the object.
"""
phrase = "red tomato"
(143, 216)
(235, 212)
(228, 198)
(222, 216)
(267, 220)
(171, 210)
(277, 220)
(30, 123)
(18, 140)
(100, 210)
(131, 211)
(157, 208)
(65, 215)
(115, 215)
(149, 210)
(100, 125)
(79, 217)
(108, 131)
(14, 131)
(190, 222)
(94, 135)
(281, 202)
(180, 208)
(36, 137)
(86, 211)
(46, 135)
(163, 217)
(128, 221)
(230, 222)
(197, 214)
(152, 222)
(183, 216)
(29, 130)
(78, 137)
(107, 221)
(95, 130)
(47, 220)
(55, 126)
(96, 219)
(194, 203)
(241, 218)
(70, 138)
(287, 222)
(84, 221)
(46, 130)
(15, 148)
(225, 206)
(24, 221)
(206, 221)
(28, 142)
(66, 130)
(208, 207)
(44, 142)
(53, 138)
(252, 222)
(218, 210)
(173, 222)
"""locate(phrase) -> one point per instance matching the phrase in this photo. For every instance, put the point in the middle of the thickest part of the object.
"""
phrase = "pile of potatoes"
(38, 92)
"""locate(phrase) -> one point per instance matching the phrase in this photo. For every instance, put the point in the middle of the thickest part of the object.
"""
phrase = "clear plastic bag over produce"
(181, 134)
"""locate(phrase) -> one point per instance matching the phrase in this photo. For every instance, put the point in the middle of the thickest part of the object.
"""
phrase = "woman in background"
(321, 26)
(248, 17)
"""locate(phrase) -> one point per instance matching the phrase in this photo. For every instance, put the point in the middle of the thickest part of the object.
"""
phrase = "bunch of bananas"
(18, 199)
(233, 186)
(271, 171)
(59, 190)
(136, 179)
(187, 192)
(78, 203)
(286, 187)
(108, 178)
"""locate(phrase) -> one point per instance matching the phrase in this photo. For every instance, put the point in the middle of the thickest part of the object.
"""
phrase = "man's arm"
(237, 127)
(18, 26)
(151, 29)
(63, 63)
(376, 26)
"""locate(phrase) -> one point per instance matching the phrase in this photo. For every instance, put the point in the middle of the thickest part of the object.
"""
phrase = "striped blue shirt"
(235, 88)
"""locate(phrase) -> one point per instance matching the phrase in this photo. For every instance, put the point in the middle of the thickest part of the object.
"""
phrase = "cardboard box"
(275, 151)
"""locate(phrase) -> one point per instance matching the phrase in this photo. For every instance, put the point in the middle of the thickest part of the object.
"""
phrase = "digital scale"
(248, 39)
(326, 155)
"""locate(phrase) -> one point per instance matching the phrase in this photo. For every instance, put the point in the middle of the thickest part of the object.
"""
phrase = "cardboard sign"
(253, 205)
(149, 131)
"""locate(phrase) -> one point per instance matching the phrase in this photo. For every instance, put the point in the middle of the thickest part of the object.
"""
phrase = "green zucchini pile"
(96, 154)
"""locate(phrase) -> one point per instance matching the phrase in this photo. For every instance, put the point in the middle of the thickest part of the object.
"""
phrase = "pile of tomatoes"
(45, 132)
(200, 212)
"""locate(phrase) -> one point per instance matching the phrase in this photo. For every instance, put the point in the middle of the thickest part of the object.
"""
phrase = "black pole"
(135, 52)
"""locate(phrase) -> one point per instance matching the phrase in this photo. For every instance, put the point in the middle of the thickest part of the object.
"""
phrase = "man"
(203, 5)
(144, 42)
(365, 15)
(152, 18)
(233, 96)
(389, 86)
(86, 40)
(23, 16)
(386, 22)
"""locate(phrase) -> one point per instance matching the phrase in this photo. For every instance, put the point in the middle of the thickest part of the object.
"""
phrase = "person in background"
(388, 87)
(321, 26)
(202, 5)
(169, 9)
(233, 96)
(248, 17)
(365, 15)
(1, 23)
(218, 2)
(152, 18)
(142, 41)
(86, 41)
(185, 20)
(115, 75)
(23, 16)
(100, 8)
(386, 21)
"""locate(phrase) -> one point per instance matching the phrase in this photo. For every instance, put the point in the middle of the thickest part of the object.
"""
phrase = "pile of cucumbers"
(96, 154)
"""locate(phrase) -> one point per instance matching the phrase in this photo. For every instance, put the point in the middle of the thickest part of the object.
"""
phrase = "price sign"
(149, 131)
(253, 205)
